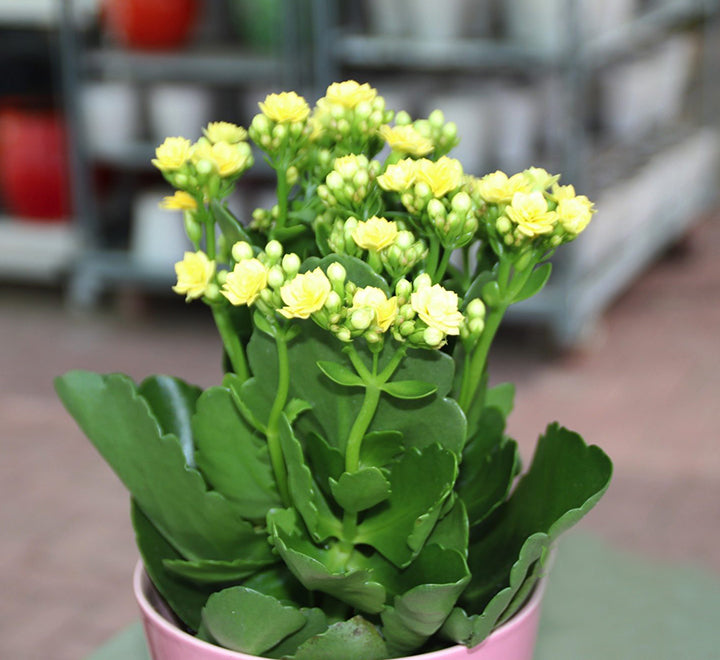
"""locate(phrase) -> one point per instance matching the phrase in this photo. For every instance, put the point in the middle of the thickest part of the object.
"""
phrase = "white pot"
(158, 237)
(178, 110)
(111, 115)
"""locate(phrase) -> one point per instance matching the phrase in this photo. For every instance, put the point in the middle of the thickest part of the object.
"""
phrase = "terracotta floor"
(645, 388)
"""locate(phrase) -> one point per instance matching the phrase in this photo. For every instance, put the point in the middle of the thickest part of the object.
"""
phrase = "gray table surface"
(601, 604)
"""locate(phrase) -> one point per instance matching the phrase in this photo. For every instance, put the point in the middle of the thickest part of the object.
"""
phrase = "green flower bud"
(461, 202)
(275, 277)
(344, 334)
(361, 318)
(242, 251)
(291, 264)
(433, 337)
(336, 273)
(475, 309)
(274, 250)
(503, 225)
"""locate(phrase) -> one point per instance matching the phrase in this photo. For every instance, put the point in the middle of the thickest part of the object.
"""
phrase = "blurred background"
(621, 96)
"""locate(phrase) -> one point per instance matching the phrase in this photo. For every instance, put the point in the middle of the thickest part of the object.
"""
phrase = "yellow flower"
(442, 176)
(438, 308)
(224, 131)
(172, 154)
(406, 140)
(285, 107)
(245, 282)
(385, 309)
(400, 176)
(350, 93)
(529, 211)
(227, 159)
(539, 179)
(194, 274)
(574, 213)
(375, 234)
(562, 192)
(180, 201)
(304, 294)
(497, 188)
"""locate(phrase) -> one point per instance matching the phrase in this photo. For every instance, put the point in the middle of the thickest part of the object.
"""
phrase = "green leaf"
(537, 280)
(310, 564)
(288, 233)
(173, 401)
(453, 530)
(184, 598)
(231, 455)
(565, 480)
(485, 481)
(307, 498)
(490, 293)
(229, 224)
(245, 620)
(327, 462)
(340, 374)
(360, 490)
(501, 397)
(355, 639)
(400, 526)
(408, 389)
(296, 407)
(432, 585)
(217, 572)
(380, 447)
(315, 624)
(476, 287)
(262, 324)
(200, 524)
(357, 270)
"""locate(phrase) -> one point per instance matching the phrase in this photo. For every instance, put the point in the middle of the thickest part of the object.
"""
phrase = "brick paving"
(645, 388)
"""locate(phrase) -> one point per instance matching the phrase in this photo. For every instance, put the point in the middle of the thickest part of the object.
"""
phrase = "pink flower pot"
(514, 640)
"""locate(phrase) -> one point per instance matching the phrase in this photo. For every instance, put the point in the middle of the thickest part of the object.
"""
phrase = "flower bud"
(274, 250)
(403, 289)
(336, 273)
(275, 277)
(333, 302)
(461, 202)
(361, 318)
(335, 181)
(476, 326)
(422, 281)
(241, 251)
(503, 224)
(436, 209)
(433, 337)
(291, 264)
(344, 334)
(475, 309)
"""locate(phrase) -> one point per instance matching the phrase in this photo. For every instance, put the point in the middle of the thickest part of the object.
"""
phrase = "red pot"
(34, 181)
(150, 24)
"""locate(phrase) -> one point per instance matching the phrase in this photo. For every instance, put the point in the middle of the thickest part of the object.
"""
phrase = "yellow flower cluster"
(194, 273)
(375, 234)
(441, 176)
(285, 107)
(406, 140)
(245, 282)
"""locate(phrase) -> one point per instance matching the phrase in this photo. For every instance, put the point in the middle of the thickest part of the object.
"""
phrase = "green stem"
(432, 258)
(360, 426)
(444, 261)
(282, 193)
(478, 362)
(209, 220)
(231, 341)
(273, 432)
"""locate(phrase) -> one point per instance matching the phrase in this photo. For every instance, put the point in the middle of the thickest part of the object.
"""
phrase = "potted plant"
(348, 489)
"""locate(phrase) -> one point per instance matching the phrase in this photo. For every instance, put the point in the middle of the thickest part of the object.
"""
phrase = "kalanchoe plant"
(351, 473)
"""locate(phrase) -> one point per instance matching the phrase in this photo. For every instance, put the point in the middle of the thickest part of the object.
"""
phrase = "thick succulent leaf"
(231, 227)
(537, 280)
(409, 389)
(431, 586)
(327, 462)
(217, 572)
(305, 493)
(399, 527)
(245, 620)
(502, 397)
(357, 270)
(184, 598)
(453, 530)
(315, 624)
(296, 407)
(232, 456)
(566, 479)
(380, 447)
(252, 400)
(340, 374)
(201, 524)
(310, 564)
(485, 480)
(173, 401)
(355, 639)
(360, 490)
